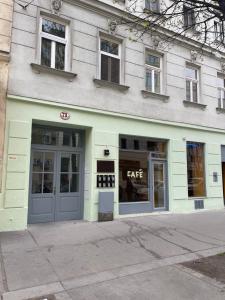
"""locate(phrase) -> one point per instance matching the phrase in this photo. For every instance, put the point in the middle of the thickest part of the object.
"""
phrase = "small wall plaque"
(64, 115)
(105, 166)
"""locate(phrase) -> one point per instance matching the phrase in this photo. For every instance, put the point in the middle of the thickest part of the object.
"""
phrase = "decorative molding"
(112, 26)
(156, 41)
(105, 83)
(223, 66)
(43, 69)
(195, 104)
(56, 6)
(148, 94)
(194, 55)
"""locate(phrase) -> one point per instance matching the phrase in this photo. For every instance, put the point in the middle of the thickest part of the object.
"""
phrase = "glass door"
(68, 188)
(159, 185)
(42, 190)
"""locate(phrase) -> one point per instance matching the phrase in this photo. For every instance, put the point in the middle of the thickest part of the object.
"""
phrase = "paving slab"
(1, 282)
(164, 283)
(26, 269)
(38, 291)
(207, 223)
(15, 241)
(67, 233)
(74, 261)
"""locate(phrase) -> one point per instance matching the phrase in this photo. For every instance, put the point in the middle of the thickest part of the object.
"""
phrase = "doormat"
(47, 297)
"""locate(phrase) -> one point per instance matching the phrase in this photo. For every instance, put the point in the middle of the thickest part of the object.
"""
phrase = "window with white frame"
(221, 91)
(192, 84)
(153, 5)
(110, 60)
(219, 31)
(189, 17)
(53, 43)
(153, 72)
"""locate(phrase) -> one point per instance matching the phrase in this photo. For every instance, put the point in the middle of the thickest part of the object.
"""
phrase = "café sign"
(135, 174)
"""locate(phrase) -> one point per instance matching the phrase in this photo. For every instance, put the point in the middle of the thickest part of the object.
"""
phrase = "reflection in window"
(69, 179)
(53, 44)
(195, 169)
(55, 137)
(133, 177)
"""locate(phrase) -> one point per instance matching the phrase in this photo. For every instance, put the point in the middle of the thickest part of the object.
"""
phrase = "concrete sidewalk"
(134, 258)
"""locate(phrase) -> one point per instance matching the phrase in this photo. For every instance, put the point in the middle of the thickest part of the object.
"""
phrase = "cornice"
(90, 110)
(111, 11)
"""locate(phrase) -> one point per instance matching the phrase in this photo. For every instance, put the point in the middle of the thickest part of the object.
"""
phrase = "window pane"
(64, 183)
(195, 169)
(75, 139)
(60, 56)
(75, 163)
(152, 5)
(49, 162)
(105, 62)
(159, 185)
(65, 163)
(109, 47)
(195, 91)
(37, 183)
(74, 183)
(219, 98)
(153, 60)
(149, 80)
(46, 52)
(48, 184)
(191, 73)
(157, 82)
(188, 90)
(37, 162)
(53, 28)
(133, 176)
(221, 82)
(115, 70)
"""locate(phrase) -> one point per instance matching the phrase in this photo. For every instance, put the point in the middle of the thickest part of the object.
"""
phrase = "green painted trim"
(110, 113)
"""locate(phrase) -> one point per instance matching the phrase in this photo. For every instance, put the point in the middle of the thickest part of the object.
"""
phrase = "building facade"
(93, 115)
(6, 11)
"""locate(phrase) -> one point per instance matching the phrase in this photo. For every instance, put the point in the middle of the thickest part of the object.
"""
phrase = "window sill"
(43, 69)
(150, 11)
(105, 83)
(148, 94)
(220, 110)
(194, 104)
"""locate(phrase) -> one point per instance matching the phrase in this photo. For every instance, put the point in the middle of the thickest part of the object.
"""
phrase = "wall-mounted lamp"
(106, 152)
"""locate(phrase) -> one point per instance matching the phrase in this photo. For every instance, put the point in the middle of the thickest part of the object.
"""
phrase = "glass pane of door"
(43, 166)
(69, 172)
(159, 184)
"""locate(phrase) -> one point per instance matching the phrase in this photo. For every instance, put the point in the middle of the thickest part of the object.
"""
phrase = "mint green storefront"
(102, 131)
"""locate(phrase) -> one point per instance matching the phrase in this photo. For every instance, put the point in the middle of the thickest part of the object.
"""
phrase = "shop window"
(53, 43)
(221, 91)
(153, 73)
(192, 84)
(134, 156)
(195, 169)
(133, 173)
(189, 17)
(110, 60)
